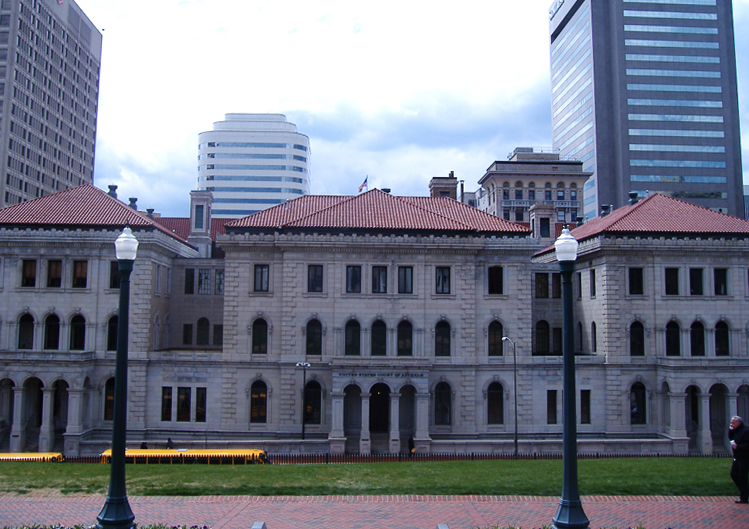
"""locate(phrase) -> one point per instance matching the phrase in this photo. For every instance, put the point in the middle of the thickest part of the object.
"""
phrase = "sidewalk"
(377, 512)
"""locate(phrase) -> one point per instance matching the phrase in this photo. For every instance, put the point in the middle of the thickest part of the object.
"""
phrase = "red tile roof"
(377, 210)
(181, 226)
(661, 215)
(84, 206)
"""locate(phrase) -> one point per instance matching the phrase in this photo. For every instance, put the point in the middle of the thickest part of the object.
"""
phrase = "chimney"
(133, 204)
(605, 209)
(112, 191)
(451, 175)
(633, 198)
(149, 212)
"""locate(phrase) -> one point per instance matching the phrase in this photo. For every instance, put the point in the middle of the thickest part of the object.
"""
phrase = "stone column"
(47, 431)
(365, 443)
(17, 432)
(74, 426)
(337, 438)
(732, 400)
(704, 437)
(678, 428)
(395, 434)
(422, 441)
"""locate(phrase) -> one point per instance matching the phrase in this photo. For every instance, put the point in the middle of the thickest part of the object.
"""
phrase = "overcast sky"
(398, 91)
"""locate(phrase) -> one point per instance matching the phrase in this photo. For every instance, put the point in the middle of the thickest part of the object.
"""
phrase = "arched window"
(52, 332)
(673, 339)
(495, 338)
(259, 402)
(109, 399)
(314, 338)
(26, 332)
(542, 337)
(112, 333)
(312, 403)
(352, 335)
(697, 339)
(580, 338)
(204, 328)
(637, 402)
(259, 337)
(636, 339)
(442, 339)
(593, 337)
(405, 339)
(495, 403)
(78, 333)
(442, 404)
(379, 338)
(721, 339)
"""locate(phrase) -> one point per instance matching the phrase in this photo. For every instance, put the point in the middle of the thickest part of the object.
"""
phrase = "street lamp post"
(116, 513)
(515, 386)
(570, 512)
(304, 366)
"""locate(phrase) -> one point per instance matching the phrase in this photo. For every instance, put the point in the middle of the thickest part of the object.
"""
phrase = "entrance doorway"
(379, 408)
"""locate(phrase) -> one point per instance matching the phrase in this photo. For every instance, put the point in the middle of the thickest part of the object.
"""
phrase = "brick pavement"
(376, 512)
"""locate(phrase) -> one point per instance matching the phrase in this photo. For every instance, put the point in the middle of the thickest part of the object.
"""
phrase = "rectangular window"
(551, 406)
(560, 215)
(545, 227)
(379, 279)
(636, 282)
(218, 335)
(518, 215)
(518, 194)
(573, 216)
(166, 404)
(506, 214)
(262, 275)
(54, 273)
(584, 406)
(592, 283)
(114, 274)
(187, 334)
(547, 194)
(405, 280)
(505, 194)
(672, 281)
(560, 194)
(556, 285)
(200, 402)
(219, 281)
(199, 217)
(183, 404)
(556, 340)
(720, 280)
(353, 279)
(314, 278)
(695, 282)
(496, 280)
(443, 279)
(542, 285)
(80, 274)
(189, 280)
(158, 278)
(29, 273)
(168, 280)
(204, 281)
(579, 277)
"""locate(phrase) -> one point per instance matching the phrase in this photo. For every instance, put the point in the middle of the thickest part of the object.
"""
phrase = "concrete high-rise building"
(49, 88)
(251, 162)
(644, 93)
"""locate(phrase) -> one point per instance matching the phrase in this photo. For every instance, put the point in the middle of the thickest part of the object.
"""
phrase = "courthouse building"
(398, 305)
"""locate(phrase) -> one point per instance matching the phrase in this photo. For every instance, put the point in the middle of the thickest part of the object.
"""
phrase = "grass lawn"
(649, 476)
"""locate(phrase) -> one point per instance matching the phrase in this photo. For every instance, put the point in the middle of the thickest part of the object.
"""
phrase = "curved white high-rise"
(251, 162)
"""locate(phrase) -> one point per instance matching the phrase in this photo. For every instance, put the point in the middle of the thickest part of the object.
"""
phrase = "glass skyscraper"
(251, 162)
(644, 93)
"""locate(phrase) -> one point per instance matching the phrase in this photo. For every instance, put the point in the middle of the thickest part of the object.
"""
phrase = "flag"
(364, 184)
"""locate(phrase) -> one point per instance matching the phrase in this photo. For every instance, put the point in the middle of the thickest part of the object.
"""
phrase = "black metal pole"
(570, 513)
(304, 398)
(116, 513)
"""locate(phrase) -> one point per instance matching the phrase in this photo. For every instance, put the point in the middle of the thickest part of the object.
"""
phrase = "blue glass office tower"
(644, 93)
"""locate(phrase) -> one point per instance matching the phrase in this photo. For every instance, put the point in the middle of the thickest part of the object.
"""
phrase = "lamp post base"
(570, 515)
(116, 514)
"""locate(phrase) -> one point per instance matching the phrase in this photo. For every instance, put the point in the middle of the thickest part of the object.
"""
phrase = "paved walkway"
(378, 512)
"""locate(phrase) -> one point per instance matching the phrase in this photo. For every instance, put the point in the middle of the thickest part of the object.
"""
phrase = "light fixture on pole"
(570, 513)
(515, 385)
(304, 366)
(116, 513)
